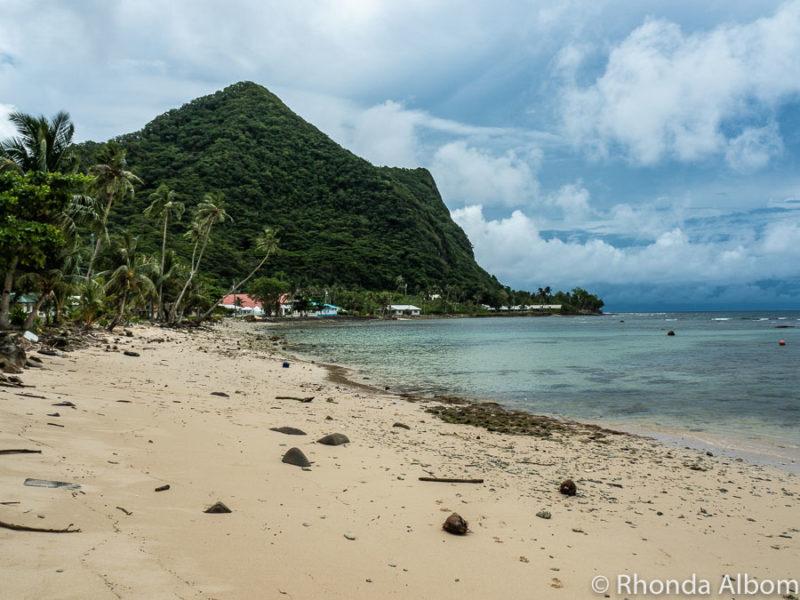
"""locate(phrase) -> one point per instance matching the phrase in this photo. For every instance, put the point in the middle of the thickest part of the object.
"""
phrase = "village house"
(400, 310)
(242, 304)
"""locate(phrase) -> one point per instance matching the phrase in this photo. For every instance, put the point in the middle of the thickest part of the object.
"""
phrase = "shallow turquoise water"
(722, 373)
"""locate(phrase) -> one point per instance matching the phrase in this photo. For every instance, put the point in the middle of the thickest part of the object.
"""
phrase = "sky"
(647, 151)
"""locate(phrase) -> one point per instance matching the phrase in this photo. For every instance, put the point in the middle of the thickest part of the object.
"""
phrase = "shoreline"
(760, 452)
(194, 410)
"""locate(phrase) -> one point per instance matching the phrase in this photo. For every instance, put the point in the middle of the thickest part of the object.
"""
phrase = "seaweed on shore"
(493, 417)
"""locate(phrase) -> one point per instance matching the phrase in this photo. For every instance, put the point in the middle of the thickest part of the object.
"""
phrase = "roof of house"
(245, 301)
(404, 307)
(26, 298)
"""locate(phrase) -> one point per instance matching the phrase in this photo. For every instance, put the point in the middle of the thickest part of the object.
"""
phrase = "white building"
(400, 310)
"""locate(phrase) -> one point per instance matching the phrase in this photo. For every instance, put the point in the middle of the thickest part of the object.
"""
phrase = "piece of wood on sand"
(20, 451)
(67, 529)
(30, 481)
(298, 398)
(450, 480)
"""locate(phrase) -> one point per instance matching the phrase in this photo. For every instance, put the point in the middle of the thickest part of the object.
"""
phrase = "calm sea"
(722, 374)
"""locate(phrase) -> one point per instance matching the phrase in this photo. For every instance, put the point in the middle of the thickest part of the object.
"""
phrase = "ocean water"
(722, 374)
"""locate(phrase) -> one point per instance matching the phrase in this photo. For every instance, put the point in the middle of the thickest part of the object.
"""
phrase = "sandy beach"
(194, 410)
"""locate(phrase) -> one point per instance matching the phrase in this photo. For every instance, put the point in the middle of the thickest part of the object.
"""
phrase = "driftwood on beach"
(38, 529)
(306, 399)
(450, 480)
(20, 451)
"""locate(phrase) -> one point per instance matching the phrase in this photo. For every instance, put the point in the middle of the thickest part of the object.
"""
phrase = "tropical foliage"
(107, 246)
(341, 220)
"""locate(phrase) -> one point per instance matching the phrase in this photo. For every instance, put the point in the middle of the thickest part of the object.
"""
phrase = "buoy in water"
(782, 343)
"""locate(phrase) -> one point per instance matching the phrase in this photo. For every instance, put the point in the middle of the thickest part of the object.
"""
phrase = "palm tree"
(266, 243)
(131, 276)
(112, 182)
(41, 145)
(163, 206)
(53, 281)
(70, 277)
(170, 279)
(91, 302)
(209, 212)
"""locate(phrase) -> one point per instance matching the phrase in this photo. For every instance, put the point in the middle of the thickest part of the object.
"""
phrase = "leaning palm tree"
(130, 278)
(40, 145)
(266, 243)
(113, 182)
(209, 212)
(163, 206)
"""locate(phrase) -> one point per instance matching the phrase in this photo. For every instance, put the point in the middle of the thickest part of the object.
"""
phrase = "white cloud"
(514, 249)
(781, 241)
(7, 130)
(665, 94)
(473, 176)
(573, 200)
(385, 135)
(753, 148)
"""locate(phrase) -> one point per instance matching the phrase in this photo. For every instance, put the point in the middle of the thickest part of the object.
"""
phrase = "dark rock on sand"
(221, 394)
(130, 353)
(288, 430)
(295, 456)
(334, 439)
(568, 487)
(544, 514)
(47, 352)
(217, 508)
(455, 524)
(401, 426)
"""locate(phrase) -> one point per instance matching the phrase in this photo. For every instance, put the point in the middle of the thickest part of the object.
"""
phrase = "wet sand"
(143, 422)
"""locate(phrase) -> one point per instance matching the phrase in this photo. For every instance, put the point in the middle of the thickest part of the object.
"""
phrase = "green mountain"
(341, 220)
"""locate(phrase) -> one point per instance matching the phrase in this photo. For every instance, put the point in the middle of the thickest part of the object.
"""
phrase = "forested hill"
(340, 219)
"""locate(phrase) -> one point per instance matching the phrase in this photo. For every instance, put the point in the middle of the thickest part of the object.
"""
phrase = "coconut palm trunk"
(118, 317)
(35, 311)
(161, 270)
(265, 242)
(5, 303)
(210, 211)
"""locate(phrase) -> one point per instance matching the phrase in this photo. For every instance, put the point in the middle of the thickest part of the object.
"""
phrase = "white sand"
(640, 508)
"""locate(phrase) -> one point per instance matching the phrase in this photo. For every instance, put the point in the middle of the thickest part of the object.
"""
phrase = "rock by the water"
(295, 456)
(288, 430)
(401, 426)
(217, 508)
(334, 439)
(568, 487)
(670, 332)
(455, 524)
